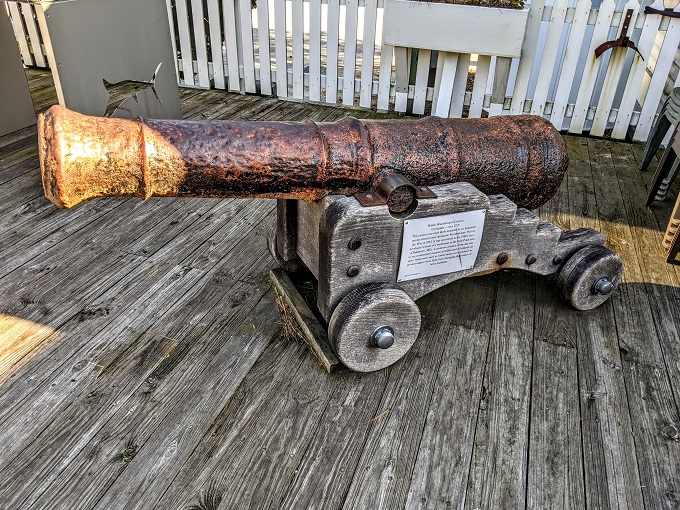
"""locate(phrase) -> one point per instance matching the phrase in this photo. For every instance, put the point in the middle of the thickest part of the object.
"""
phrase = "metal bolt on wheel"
(373, 326)
(590, 276)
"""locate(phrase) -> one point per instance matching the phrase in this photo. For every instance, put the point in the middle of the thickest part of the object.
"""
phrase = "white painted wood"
(350, 59)
(280, 48)
(499, 85)
(422, 73)
(401, 72)
(199, 43)
(230, 36)
(173, 37)
(528, 53)
(247, 47)
(31, 27)
(216, 43)
(49, 51)
(491, 31)
(637, 72)
(585, 91)
(459, 83)
(385, 76)
(566, 77)
(444, 89)
(315, 51)
(613, 76)
(332, 34)
(655, 91)
(20, 33)
(479, 86)
(263, 47)
(367, 52)
(549, 57)
(185, 42)
(298, 50)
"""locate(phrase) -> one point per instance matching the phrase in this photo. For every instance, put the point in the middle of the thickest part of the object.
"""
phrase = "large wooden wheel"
(373, 326)
(590, 276)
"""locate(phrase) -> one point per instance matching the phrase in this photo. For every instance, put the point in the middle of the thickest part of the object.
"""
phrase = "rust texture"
(522, 157)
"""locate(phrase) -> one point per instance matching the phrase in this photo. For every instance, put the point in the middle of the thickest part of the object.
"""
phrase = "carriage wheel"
(590, 276)
(373, 326)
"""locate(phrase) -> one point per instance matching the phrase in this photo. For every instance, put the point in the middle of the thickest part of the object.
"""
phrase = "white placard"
(440, 244)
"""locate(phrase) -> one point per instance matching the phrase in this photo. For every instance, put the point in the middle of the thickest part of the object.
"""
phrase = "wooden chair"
(671, 241)
(669, 116)
(667, 167)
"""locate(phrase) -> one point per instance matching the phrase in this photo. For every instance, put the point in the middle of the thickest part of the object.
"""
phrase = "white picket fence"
(332, 51)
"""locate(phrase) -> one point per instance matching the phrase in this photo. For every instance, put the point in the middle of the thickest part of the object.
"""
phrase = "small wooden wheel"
(590, 276)
(373, 326)
(287, 265)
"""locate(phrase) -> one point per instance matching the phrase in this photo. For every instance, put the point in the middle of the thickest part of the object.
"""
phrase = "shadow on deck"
(142, 365)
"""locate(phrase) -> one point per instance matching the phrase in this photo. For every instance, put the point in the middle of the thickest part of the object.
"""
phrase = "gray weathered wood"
(501, 446)
(609, 457)
(650, 396)
(314, 334)
(515, 232)
(442, 466)
(274, 430)
(555, 468)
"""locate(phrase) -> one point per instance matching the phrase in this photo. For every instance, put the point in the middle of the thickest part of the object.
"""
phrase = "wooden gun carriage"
(380, 212)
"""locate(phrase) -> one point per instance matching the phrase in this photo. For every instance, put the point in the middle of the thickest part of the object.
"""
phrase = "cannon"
(381, 212)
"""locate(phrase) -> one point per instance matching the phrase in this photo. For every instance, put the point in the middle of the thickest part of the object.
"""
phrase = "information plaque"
(440, 244)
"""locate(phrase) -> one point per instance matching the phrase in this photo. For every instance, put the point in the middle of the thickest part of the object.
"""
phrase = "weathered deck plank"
(141, 364)
(610, 463)
(555, 467)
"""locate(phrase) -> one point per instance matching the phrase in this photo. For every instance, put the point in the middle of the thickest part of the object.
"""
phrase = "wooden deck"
(142, 364)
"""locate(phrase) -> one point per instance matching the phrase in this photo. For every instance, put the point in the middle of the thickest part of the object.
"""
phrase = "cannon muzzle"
(82, 157)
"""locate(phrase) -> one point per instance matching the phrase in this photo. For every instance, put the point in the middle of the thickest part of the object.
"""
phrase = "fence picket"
(566, 77)
(557, 64)
(200, 43)
(27, 11)
(385, 76)
(499, 86)
(173, 38)
(441, 103)
(350, 60)
(280, 48)
(526, 63)
(263, 43)
(401, 78)
(246, 44)
(298, 50)
(367, 51)
(315, 51)
(422, 73)
(185, 42)
(20, 33)
(590, 71)
(479, 86)
(230, 34)
(612, 78)
(655, 91)
(216, 43)
(637, 72)
(332, 35)
(549, 58)
(459, 83)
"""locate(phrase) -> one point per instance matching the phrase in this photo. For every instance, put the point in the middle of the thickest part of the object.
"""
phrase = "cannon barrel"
(82, 157)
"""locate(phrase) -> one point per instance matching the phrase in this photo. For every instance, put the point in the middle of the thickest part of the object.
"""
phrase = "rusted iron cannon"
(380, 212)
(85, 157)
